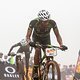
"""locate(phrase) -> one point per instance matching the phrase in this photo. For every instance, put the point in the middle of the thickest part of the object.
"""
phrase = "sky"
(15, 16)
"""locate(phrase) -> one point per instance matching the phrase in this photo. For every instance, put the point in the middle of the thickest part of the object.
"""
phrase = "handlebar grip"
(32, 44)
(64, 48)
(9, 54)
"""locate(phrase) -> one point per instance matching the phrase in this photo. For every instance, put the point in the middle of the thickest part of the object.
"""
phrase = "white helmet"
(43, 15)
(23, 42)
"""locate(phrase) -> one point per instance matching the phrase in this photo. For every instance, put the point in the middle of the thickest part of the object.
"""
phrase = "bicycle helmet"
(23, 42)
(43, 15)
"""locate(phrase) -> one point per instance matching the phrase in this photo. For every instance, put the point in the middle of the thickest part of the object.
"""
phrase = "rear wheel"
(20, 66)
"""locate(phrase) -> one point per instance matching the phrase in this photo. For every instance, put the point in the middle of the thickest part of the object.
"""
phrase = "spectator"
(63, 73)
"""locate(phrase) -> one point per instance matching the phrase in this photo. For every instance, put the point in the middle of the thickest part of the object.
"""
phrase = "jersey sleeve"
(53, 23)
(32, 23)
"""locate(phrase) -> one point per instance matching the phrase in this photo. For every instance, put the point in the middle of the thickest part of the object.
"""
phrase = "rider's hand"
(32, 44)
(28, 40)
(63, 47)
(9, 54)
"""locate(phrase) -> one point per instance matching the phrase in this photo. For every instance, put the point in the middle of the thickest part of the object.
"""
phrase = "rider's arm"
(59, 39)
(18, 44)
(29, 32)
(58, 36)
(30, 28)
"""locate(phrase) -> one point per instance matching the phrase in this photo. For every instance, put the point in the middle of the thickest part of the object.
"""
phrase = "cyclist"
(41, 27)
(24, 48)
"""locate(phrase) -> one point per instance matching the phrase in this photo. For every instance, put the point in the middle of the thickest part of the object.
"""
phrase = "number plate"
(50, 52)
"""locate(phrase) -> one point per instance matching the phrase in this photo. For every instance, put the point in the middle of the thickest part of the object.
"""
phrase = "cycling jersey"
(41, 31)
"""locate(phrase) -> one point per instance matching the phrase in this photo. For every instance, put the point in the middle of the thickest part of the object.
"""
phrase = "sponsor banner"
(8, 72)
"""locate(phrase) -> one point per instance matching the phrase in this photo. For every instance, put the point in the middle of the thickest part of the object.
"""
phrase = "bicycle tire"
(55, 71)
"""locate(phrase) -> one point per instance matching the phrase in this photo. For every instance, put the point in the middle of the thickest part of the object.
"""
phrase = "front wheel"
(52, 71)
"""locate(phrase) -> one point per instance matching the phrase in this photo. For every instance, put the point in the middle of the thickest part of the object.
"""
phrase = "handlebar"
(42, 46)
(33, 44)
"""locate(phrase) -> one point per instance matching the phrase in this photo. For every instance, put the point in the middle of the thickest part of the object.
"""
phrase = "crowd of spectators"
(67, 72)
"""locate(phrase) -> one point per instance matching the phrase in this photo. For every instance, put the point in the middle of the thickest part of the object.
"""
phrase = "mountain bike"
(48, 68)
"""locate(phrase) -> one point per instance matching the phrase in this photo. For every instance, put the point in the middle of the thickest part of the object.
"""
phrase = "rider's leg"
(36, 62)
(27, 60)
(27, 67)
(36, 56)
(18, 59)
(27, 56)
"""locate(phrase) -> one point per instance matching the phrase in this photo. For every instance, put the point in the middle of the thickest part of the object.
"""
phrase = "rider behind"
(24, 48)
